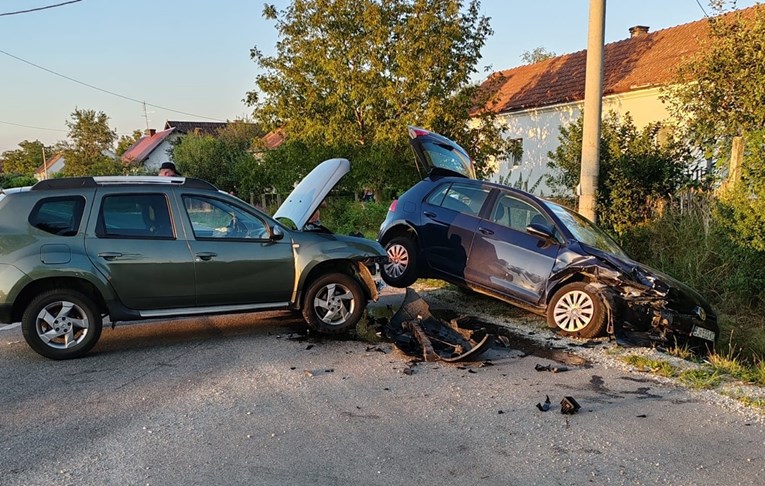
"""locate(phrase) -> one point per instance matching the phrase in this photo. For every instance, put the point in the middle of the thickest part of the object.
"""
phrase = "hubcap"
(62, 324)
(334, 304)
(398, 261)
(574, 311)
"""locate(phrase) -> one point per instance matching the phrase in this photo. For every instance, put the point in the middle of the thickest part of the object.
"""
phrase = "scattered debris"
(569, 406)
(415, 331)
(309, 347)
(551, 368)
(546, 405)
(642, 416)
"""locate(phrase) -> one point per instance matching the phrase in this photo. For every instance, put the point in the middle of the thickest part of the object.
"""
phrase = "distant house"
(151, 150)
(273, 139)
(51, 166)
(56, 163)
(197, 127)
(535, 100)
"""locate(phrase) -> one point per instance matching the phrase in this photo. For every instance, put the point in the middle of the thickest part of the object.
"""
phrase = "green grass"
(656, 366)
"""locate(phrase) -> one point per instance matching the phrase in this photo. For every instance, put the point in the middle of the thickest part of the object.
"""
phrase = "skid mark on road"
(8, 327)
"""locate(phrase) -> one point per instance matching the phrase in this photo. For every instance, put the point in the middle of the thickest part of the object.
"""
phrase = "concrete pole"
(593, 103)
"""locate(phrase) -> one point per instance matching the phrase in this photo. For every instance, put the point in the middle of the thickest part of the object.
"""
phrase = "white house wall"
(159, 155)
(540, 128)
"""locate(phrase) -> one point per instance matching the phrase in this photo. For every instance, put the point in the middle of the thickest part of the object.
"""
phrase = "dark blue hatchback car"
(533, 253)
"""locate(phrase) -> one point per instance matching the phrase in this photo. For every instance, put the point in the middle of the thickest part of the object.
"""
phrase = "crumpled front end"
(644, 306)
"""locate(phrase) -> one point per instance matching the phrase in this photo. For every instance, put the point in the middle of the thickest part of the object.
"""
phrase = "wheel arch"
(574, 277)
(347, 267)
(36, 287)
(400, 229)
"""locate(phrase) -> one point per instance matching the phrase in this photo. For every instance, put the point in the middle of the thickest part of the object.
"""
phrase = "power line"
(28, 126)
(38, 8)
(103, 90)
(49, 129)
(702, 8)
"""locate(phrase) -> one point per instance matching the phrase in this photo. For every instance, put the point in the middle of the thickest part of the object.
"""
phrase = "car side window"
(216, 219)
(58, 215)
(464, 198)
(134, 216)
(513, 213)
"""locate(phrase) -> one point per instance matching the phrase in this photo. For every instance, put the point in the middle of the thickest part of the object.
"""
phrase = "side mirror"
(276, 233)
(540, 231)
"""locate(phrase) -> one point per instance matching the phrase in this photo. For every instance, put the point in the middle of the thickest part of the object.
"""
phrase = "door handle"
(485, 231)
(109, 255)
(206, 256)
(429, 214)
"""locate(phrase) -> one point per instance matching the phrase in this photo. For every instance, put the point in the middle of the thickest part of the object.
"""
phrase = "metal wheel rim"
(334, 304)
(398, 261)
(574, 311)
(62, 324)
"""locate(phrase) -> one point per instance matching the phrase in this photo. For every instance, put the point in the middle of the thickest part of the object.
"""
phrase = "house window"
(516, 152)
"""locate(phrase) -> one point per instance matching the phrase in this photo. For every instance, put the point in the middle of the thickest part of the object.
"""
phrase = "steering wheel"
(237, 228)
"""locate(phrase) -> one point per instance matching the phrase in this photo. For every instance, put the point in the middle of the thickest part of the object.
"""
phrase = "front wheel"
(401, 268)
(61, 324)
(575, 310)
(334, 304)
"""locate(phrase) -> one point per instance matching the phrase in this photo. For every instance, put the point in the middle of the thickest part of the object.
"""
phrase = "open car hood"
(305, 199)
(436, 152)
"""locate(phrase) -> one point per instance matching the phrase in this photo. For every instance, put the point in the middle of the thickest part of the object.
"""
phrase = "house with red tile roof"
(535, 100)
(151, 150)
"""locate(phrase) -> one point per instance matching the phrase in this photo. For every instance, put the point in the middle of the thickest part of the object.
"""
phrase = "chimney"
(638, 31)
(150, 132)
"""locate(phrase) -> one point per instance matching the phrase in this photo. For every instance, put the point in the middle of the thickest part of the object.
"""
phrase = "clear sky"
(193, 55)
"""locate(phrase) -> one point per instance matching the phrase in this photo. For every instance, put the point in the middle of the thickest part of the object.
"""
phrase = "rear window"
(463, 198)
(135, 216)
(447, 157)
(58, 215)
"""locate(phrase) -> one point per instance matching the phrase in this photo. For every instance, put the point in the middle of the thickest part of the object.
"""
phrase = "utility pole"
(45, 162)
(593, 104)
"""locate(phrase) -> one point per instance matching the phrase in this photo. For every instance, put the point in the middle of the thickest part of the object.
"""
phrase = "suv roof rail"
(88, 182)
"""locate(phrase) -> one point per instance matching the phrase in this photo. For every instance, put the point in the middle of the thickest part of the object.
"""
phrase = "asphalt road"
(249, 400)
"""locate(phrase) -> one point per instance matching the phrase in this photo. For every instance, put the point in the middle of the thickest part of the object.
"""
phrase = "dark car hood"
(681, 295)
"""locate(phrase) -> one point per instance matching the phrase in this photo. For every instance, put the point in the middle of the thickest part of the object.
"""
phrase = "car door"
(135, 244)
(450, 216)
(235, 261)
(506, 258)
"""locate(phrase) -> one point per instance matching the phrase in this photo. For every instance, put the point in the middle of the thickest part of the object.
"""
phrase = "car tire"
(334, 304)
(575, 310)
(401, 268)
(61, 324)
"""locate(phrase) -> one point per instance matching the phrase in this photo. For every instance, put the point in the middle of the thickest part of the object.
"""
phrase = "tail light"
(393, 205)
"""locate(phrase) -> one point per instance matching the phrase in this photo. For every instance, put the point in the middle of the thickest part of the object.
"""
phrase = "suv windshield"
(586, 232)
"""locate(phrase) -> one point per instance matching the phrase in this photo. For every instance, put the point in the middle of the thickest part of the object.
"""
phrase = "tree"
(90, 137)
(638, 168)
(27, 159)
(720, 94)
(536, 55)
(352, 74)
(226, 160)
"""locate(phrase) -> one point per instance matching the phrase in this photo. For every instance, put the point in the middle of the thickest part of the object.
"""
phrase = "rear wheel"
(401, 268)
(61, 324)
(575, 310)
(334, 303)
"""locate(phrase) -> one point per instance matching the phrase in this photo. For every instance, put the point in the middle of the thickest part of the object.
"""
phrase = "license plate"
(703, 333)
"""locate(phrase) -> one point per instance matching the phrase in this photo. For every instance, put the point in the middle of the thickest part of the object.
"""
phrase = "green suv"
(74, 251)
